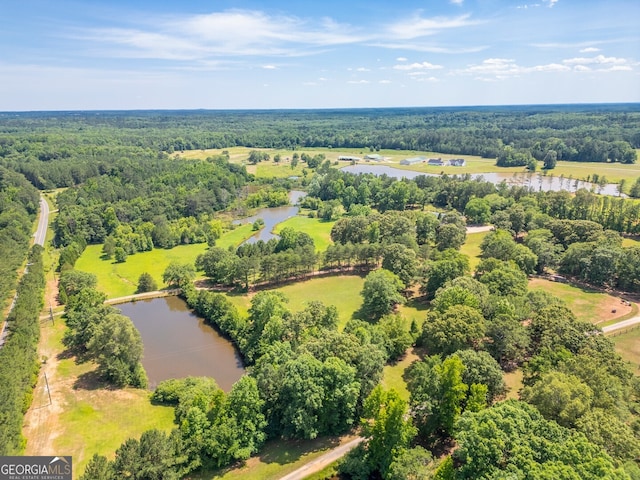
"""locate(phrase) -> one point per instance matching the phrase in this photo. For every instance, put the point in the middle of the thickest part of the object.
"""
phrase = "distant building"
(412, 161)
(347, 158)
(457, 162)
(374, 156)
(437, 162)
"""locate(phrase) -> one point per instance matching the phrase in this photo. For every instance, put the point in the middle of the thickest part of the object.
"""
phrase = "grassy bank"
(85, 416)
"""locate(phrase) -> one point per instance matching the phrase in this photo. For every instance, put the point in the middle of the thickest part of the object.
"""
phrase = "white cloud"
(597, 60)
(503, 68)
(269, 67)
(358, 82)
(589, 50)
(362, 69)
(550, 3)
(427, 48)
(417, 26)
(401, 59)
(225, 33)
(457, 2)
(418, 66)
(385, 82)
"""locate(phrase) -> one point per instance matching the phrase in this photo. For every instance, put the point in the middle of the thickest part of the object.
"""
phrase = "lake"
(534, 180)
(177, 343)
(271, 217)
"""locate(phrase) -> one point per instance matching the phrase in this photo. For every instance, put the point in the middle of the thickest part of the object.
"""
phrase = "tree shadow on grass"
(91, 381)
(283, 452)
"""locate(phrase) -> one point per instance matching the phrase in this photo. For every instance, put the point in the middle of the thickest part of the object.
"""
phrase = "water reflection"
(536, 181)
(177, 343)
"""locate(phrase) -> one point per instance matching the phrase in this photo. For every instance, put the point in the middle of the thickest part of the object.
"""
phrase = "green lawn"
(513, 380)
(120, 279)
(85, 417)
(628, 346)
(392, 375)
(471, 248)
(318, 229)
(630, 242)
(588, 305)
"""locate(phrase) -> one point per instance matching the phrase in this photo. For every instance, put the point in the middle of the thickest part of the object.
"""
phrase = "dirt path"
(479, 228)
(42, 420)
(620, 325)
(322, 461)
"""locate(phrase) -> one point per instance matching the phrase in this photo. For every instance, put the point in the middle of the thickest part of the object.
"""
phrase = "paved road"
(323, 460)
(40, 236)
(621, 325)
(43, 223)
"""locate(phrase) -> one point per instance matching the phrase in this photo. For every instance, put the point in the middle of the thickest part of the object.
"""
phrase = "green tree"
(459, 327)
(73, 281)
(450, 235)
(381, 293)
(387, 429)
(437, 394)
(178, 275)
(560, 397)
(478, 211)
(413, 464)
(116, 346)
(401, 260)
(481, 368)
(146, 283)
(98, 468)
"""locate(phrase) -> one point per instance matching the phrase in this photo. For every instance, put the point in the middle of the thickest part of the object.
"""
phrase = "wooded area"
(578, 413)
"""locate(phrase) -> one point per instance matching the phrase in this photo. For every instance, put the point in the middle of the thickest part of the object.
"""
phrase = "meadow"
(614, 172)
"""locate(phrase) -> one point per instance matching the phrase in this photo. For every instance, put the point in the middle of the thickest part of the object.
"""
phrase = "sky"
(243, 54)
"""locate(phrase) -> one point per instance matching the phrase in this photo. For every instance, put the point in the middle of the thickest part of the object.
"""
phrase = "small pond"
(534, 180)
(178, 344)
(272, 216)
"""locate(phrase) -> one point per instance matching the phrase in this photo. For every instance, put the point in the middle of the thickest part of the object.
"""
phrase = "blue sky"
(220, 54)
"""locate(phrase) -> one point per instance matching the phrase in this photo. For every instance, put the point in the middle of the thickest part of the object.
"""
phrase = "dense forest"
(578, 413)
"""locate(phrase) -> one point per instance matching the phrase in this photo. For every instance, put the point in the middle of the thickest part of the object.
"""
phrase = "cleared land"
(471, 248)
(513, 381)
(121, 279)
(393, 375)
(85, 416)
(614, 172)
(628, 346)
(318, 229)
(588, 305)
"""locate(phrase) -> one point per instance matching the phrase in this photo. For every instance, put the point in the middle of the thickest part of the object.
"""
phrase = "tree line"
(19, 361)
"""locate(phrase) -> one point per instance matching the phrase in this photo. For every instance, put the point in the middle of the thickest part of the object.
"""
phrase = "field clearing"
(392, 375)
(318, 229)
(471, 248)
(343, 291)
(628, 346)
(614, 172)
(588, 305)
(513, 380)
(84, 417)
(630, 242)
(121, 279)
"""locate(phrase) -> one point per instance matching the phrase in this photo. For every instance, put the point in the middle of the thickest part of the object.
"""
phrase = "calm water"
(272, 217)
(177, 343)
(537, 181)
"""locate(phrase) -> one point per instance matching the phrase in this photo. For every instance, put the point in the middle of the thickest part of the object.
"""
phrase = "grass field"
(630, 242)
(120, 279)
(84, 417)
(471, 248)
(628, 346)
(588, 305)
(318, 229)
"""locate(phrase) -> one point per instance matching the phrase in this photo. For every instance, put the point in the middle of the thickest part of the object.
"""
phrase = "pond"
(536, 181)
(272, 216)
(177, 343)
